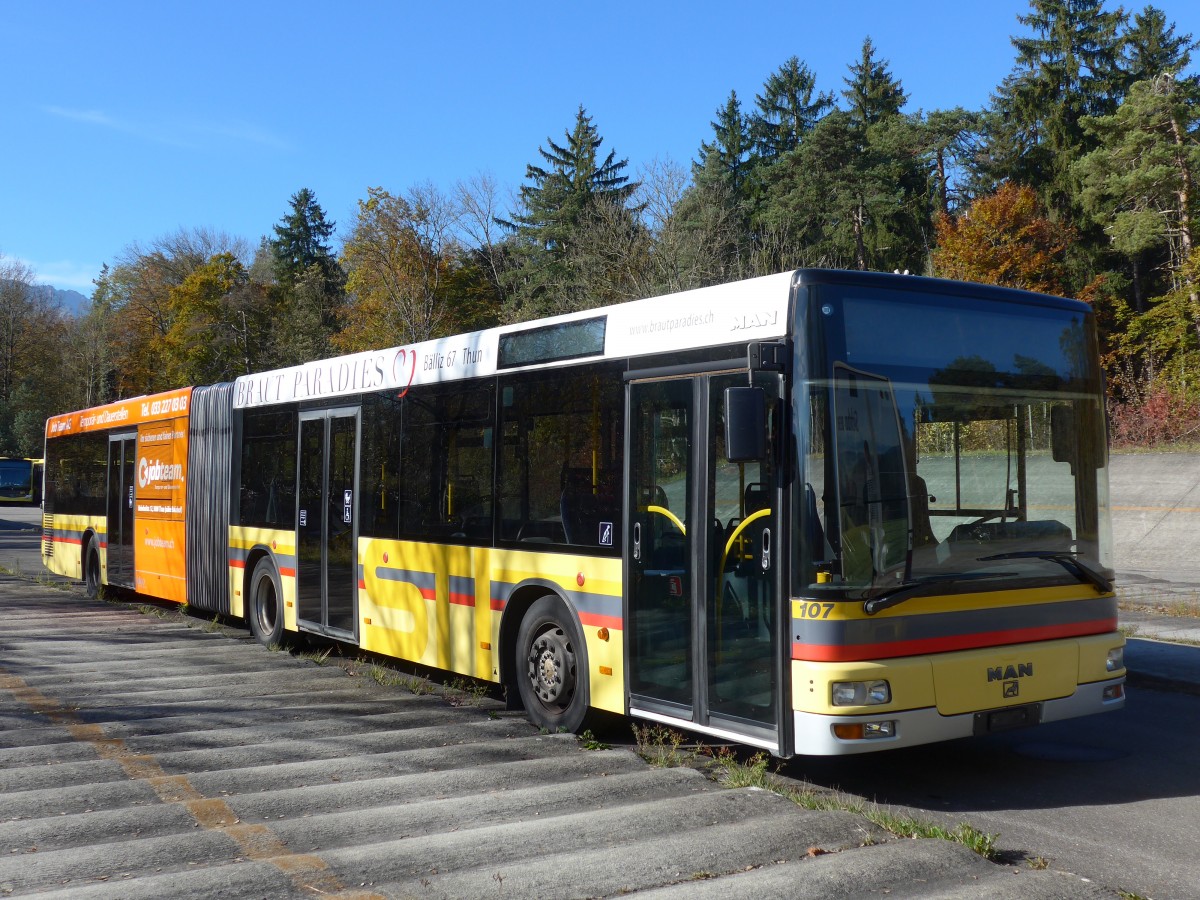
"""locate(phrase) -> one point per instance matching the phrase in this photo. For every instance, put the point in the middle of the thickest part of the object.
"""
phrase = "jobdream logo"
(152, 472)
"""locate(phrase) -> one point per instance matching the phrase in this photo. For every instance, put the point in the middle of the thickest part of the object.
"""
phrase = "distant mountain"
(72, 303)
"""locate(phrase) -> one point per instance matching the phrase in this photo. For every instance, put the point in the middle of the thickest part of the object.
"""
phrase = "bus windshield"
(958, 444)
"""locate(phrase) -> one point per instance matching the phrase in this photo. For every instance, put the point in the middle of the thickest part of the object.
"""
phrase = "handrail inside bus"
(663, 511)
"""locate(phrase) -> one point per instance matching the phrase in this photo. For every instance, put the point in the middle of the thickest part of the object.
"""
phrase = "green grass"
(755, 772)
(588, 741)
(466, 692)
(320, 657)
(662, 747)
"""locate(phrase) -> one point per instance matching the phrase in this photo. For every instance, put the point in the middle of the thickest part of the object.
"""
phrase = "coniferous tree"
(302, 240)
(854, 193)
(891, 190)
(1152, 47)
(871, 93)
(727, 159)
(572, 194)
(787, 110)
(310, 285)
(1068, 68)
(1139, 184)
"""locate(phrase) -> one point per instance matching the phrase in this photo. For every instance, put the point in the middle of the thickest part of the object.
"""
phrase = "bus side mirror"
(1064, 435)
(745, 424)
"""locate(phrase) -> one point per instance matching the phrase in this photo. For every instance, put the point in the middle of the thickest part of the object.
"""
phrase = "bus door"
(122, 453)
(326, 522)
(703, 554)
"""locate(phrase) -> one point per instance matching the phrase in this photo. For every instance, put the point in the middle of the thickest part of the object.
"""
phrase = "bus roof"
(752, 310)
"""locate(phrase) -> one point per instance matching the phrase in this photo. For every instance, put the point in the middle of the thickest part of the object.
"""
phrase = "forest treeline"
(1078, 179)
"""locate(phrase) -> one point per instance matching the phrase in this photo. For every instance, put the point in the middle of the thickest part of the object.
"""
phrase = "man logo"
(1010, 673)
(1012, 688)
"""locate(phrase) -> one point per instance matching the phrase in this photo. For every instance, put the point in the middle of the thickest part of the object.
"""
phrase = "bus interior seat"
(755, 498)
(585, 506)
(919, 500)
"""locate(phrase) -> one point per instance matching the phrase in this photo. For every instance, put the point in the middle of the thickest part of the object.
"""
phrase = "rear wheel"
(266, 604)
(91, 570)
(552, 673)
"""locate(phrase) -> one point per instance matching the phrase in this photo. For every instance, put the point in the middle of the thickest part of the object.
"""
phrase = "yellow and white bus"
(818, 512)
(20, 480)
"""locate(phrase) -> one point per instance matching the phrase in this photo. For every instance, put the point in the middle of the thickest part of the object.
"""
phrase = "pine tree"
(1152, 47)
(727, 158)
(1139, 184)
(574, 193)
(871, 93)
(310, 284)
(787, 110)
(302, 240)
(1068, 68)
(558, 198)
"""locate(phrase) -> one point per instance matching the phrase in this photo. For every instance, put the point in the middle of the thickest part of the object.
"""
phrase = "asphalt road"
(160, 756)
(163, 757)
(1111, 797)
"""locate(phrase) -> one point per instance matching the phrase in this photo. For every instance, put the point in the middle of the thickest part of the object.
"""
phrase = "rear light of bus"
(1116, 659)
(861, 693)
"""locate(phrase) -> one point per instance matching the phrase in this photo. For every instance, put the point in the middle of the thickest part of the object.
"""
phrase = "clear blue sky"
(127, 121)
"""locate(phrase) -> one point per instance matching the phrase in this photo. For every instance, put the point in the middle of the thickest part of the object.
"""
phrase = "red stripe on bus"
(66, 540)
(287, 573)
(599, 621)
(497, 604)
(237, 564)
(462, 599)
(362, 585)
(864, 652)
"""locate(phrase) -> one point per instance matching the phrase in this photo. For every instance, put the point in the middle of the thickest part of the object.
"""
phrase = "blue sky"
(127, 121)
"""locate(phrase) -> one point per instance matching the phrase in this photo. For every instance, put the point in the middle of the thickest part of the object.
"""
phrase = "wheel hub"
(551, 667)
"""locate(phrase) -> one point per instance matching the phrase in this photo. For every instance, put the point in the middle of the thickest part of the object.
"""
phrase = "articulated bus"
(817, 512)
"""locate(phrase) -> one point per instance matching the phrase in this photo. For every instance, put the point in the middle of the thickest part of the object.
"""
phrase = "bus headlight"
(1116, 659)
(861, 693)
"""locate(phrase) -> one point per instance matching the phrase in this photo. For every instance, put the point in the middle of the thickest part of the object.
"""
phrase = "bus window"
(560, 458)
(268, 468)
(872, 490)
(445, 463)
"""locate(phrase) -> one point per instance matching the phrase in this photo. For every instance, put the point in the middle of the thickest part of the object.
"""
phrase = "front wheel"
(266, 604)
(552, 673)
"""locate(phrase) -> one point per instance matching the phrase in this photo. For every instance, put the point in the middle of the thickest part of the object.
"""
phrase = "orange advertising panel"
(160, 478)
(122, 414)
(161, 469)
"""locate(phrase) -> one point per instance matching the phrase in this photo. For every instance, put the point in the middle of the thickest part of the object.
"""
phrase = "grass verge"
(661, 746)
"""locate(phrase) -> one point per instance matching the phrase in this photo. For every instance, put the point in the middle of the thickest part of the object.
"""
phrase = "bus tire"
(552, 674)
(91, 570)
(266, 604)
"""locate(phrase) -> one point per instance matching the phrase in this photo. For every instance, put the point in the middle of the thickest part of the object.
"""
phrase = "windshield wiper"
(909, 589)
(1066, 559)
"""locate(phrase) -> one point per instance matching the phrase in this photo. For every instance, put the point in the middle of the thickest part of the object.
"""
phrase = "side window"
(445, 480)
(379, 474)
(268, 473)
(76, 468)
(560, 458)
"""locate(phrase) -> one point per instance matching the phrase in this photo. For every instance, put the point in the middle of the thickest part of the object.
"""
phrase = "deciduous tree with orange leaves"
(1004, 239)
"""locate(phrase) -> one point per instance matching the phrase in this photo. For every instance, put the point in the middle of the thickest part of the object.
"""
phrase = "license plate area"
(1007, 719)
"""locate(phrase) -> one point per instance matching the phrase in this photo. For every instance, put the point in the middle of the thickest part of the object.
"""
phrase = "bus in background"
(20, 480)
(818, 512)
